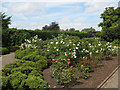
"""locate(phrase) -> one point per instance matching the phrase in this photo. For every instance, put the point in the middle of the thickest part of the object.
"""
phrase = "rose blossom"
(53, 60)
(68, 62)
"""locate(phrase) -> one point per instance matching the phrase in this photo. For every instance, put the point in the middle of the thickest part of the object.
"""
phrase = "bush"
(23, 69)
(18, 80)
(34, 82)
(111, 33)
(13, 80)
(5, 51)
(21, 53)
(13, 48)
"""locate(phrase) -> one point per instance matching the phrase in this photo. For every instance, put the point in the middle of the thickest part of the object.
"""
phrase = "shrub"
(36, 73)
(5, 83)
(42, 64)
(13, 48)
(34, 82)
(23, 69)
(21, 53)
(13, 80)
(5, 51)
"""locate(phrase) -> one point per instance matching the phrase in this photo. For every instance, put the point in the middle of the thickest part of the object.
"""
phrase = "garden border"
(99, 86)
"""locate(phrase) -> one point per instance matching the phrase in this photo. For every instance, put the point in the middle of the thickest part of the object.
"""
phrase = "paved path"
(113, 81)
(6, 59)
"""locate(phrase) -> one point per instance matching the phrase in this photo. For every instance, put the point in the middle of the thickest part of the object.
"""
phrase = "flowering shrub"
(31, 43)
(64, 50)
(62, 71)
(63, 45)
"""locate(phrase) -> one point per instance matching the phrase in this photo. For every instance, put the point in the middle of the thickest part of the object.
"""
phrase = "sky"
(34, 14)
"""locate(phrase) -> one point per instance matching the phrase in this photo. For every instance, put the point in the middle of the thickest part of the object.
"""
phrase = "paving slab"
(113, 81)
(6, 59)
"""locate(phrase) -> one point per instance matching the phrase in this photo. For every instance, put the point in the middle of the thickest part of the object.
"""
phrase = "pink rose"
(81, 65)
(68, 62)
(57, 59)
(71, 66)
(53, 60)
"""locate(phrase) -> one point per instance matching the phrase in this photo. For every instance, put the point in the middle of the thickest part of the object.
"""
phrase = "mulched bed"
(102, 70)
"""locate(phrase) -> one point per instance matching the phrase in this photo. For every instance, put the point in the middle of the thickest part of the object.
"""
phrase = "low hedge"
(23, 75)
(4, 50)
(27, 73)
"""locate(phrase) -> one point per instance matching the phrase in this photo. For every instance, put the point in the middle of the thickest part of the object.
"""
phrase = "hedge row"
(16, 37)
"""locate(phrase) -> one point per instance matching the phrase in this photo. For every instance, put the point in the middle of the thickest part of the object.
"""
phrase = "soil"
(102, 70)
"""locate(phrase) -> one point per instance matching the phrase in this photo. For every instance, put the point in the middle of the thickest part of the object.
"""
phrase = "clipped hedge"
(17, 37)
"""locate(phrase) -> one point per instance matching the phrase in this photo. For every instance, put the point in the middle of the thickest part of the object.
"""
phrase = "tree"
(88, 30)
(4, 20)
(111, 21)
(72, 29)
(52, 26)
(4, 25)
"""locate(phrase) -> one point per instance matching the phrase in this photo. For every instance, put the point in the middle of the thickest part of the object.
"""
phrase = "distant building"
(119, 4)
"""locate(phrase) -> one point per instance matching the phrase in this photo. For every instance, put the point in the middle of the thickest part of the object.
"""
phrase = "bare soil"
(95, 78)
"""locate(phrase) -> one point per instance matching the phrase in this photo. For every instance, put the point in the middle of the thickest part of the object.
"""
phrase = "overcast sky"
(76, 14)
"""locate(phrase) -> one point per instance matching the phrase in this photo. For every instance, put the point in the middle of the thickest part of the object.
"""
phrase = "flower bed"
(67, 56)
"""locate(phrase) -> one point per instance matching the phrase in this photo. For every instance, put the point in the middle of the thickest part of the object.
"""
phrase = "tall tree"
(4, 20)
(111, 21)
(88, 30)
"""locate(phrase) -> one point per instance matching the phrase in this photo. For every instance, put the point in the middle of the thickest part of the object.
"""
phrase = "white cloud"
(79, 26)
(64, 20)
(26, 8)
(81, 19)
(94, 7)
(60, 0)
(25, 25)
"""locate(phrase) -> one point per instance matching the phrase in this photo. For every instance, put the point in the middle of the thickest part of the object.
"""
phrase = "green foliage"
(116, 42)
(17, 37)
(72, 29)
(20, 74)
(111, 24)
(16, 79)
(4, 50)
(88, 30)
(23, 69)
(111, 33)
(34, 82)
(5, 20)
(13, 48)
(62, 71)
(21, 53)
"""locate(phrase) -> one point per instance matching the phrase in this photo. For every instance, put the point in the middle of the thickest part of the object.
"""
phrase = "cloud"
(95, 7)
(26, 8)
(25, 25)
(81, 19)
(60, 0)
(32, 15)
